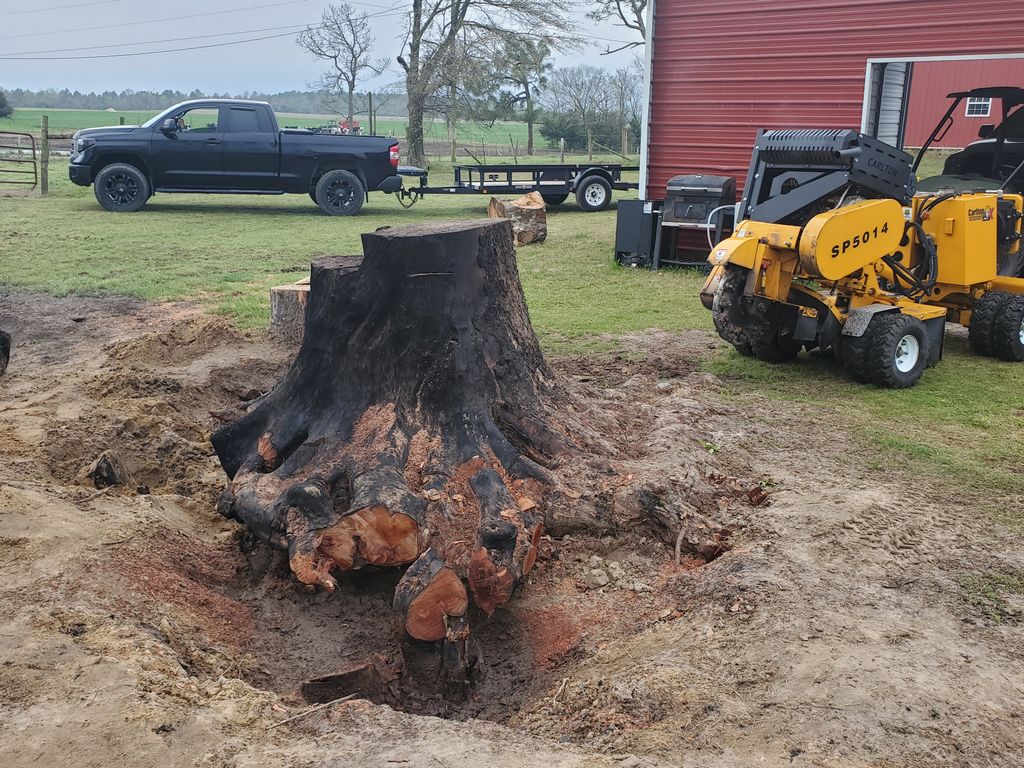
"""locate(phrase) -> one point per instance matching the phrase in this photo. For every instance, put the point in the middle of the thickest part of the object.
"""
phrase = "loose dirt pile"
(139, 628)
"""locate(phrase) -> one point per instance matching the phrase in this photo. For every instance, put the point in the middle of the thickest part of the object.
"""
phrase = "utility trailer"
(592, 184)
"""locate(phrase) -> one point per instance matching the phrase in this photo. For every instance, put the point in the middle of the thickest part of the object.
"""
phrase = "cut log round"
(528, 216)
(411, 430)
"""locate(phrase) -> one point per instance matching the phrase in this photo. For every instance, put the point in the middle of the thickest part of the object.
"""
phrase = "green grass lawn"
(960, 428)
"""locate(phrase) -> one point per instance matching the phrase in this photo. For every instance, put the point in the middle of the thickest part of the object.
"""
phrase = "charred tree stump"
(5, 351)
(411, 430)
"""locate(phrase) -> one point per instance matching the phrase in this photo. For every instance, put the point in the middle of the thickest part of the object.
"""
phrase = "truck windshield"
(157, 118)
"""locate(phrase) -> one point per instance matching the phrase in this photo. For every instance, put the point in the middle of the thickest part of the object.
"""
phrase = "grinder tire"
(770, 346)
(898, 353)
(983, 322)
(1008, 331)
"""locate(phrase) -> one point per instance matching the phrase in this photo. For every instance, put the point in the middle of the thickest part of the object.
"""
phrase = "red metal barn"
(720, 69)
(931, 81)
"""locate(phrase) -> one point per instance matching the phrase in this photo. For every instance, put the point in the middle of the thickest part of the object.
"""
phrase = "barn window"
(977, 107)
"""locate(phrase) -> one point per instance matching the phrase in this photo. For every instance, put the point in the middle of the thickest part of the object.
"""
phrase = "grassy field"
(69, 120)
(961, 426)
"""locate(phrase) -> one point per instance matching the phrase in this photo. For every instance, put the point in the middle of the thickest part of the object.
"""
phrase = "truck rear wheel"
(594, 193)
(555, 199)
(1008, 332)
(339, 193)
(898, 351)
(121, 188)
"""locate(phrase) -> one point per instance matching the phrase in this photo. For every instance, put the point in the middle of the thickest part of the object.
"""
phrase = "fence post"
(44, 156)
(625, 140)
(561, 150)
(373, 131)
(122, 120)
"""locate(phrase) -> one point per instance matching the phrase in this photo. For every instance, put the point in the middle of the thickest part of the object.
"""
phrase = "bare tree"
(582, 90)
(432, 36)
(631, 14)
(342, 38)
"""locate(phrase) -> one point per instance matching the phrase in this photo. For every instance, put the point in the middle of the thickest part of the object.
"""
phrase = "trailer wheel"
(1008, 333)
(555, 199)
(594, 193)
(339, 193)
(898, 353)
(121, 188)
(983, 321)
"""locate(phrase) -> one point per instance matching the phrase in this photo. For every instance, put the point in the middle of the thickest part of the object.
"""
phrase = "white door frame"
(645, 131)
(865, 100)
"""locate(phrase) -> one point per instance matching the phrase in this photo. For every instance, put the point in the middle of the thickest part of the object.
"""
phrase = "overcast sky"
(78, 28)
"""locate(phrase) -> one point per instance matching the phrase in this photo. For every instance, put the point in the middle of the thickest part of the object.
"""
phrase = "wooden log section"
(412, 430)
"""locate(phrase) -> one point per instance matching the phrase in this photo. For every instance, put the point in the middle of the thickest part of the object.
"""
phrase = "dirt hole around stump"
(312, 647)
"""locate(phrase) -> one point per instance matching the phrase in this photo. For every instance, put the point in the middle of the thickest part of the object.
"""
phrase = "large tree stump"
(409, 432)
(527, 214)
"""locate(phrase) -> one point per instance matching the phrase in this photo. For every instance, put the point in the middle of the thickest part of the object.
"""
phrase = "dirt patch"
(852, 620)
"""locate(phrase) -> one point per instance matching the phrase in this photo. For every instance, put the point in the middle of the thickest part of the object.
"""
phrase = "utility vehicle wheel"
(983, 321)
(121, 188)
(312, 196)
(898, 353)
(339, 193)
(555, 199)
(727, 312)
(594, 193)
(1008, 335)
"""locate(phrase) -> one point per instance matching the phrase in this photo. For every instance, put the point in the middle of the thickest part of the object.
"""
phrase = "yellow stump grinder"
(836, 249)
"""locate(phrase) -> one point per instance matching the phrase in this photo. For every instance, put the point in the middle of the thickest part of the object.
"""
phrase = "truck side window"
(242, 120)
(199, 120)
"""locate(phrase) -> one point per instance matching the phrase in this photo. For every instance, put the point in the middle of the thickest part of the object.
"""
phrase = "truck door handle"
(213, 141)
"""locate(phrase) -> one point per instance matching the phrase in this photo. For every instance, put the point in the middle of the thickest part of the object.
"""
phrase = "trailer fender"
(592, 171)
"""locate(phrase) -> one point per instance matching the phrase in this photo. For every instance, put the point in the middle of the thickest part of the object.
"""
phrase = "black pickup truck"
(228, 146)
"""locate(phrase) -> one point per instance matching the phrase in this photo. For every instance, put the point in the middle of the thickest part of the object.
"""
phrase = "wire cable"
(154, 21)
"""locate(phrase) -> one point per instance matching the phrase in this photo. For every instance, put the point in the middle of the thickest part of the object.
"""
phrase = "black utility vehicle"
(228, 146)
(993, 162)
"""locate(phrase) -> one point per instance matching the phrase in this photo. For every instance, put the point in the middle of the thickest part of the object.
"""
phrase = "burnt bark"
(411, 430)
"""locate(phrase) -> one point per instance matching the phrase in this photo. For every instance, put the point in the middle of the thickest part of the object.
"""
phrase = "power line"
(172, 50)
(154, 21)
(297, 27)
(293, 29)
(144, 53)
(60, 7)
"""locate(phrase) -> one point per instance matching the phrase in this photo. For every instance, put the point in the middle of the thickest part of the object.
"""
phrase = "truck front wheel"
(121, 188)
(339, 193)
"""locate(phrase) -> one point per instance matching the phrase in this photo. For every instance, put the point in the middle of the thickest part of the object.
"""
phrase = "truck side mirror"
(986, 130)
(170, 125)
